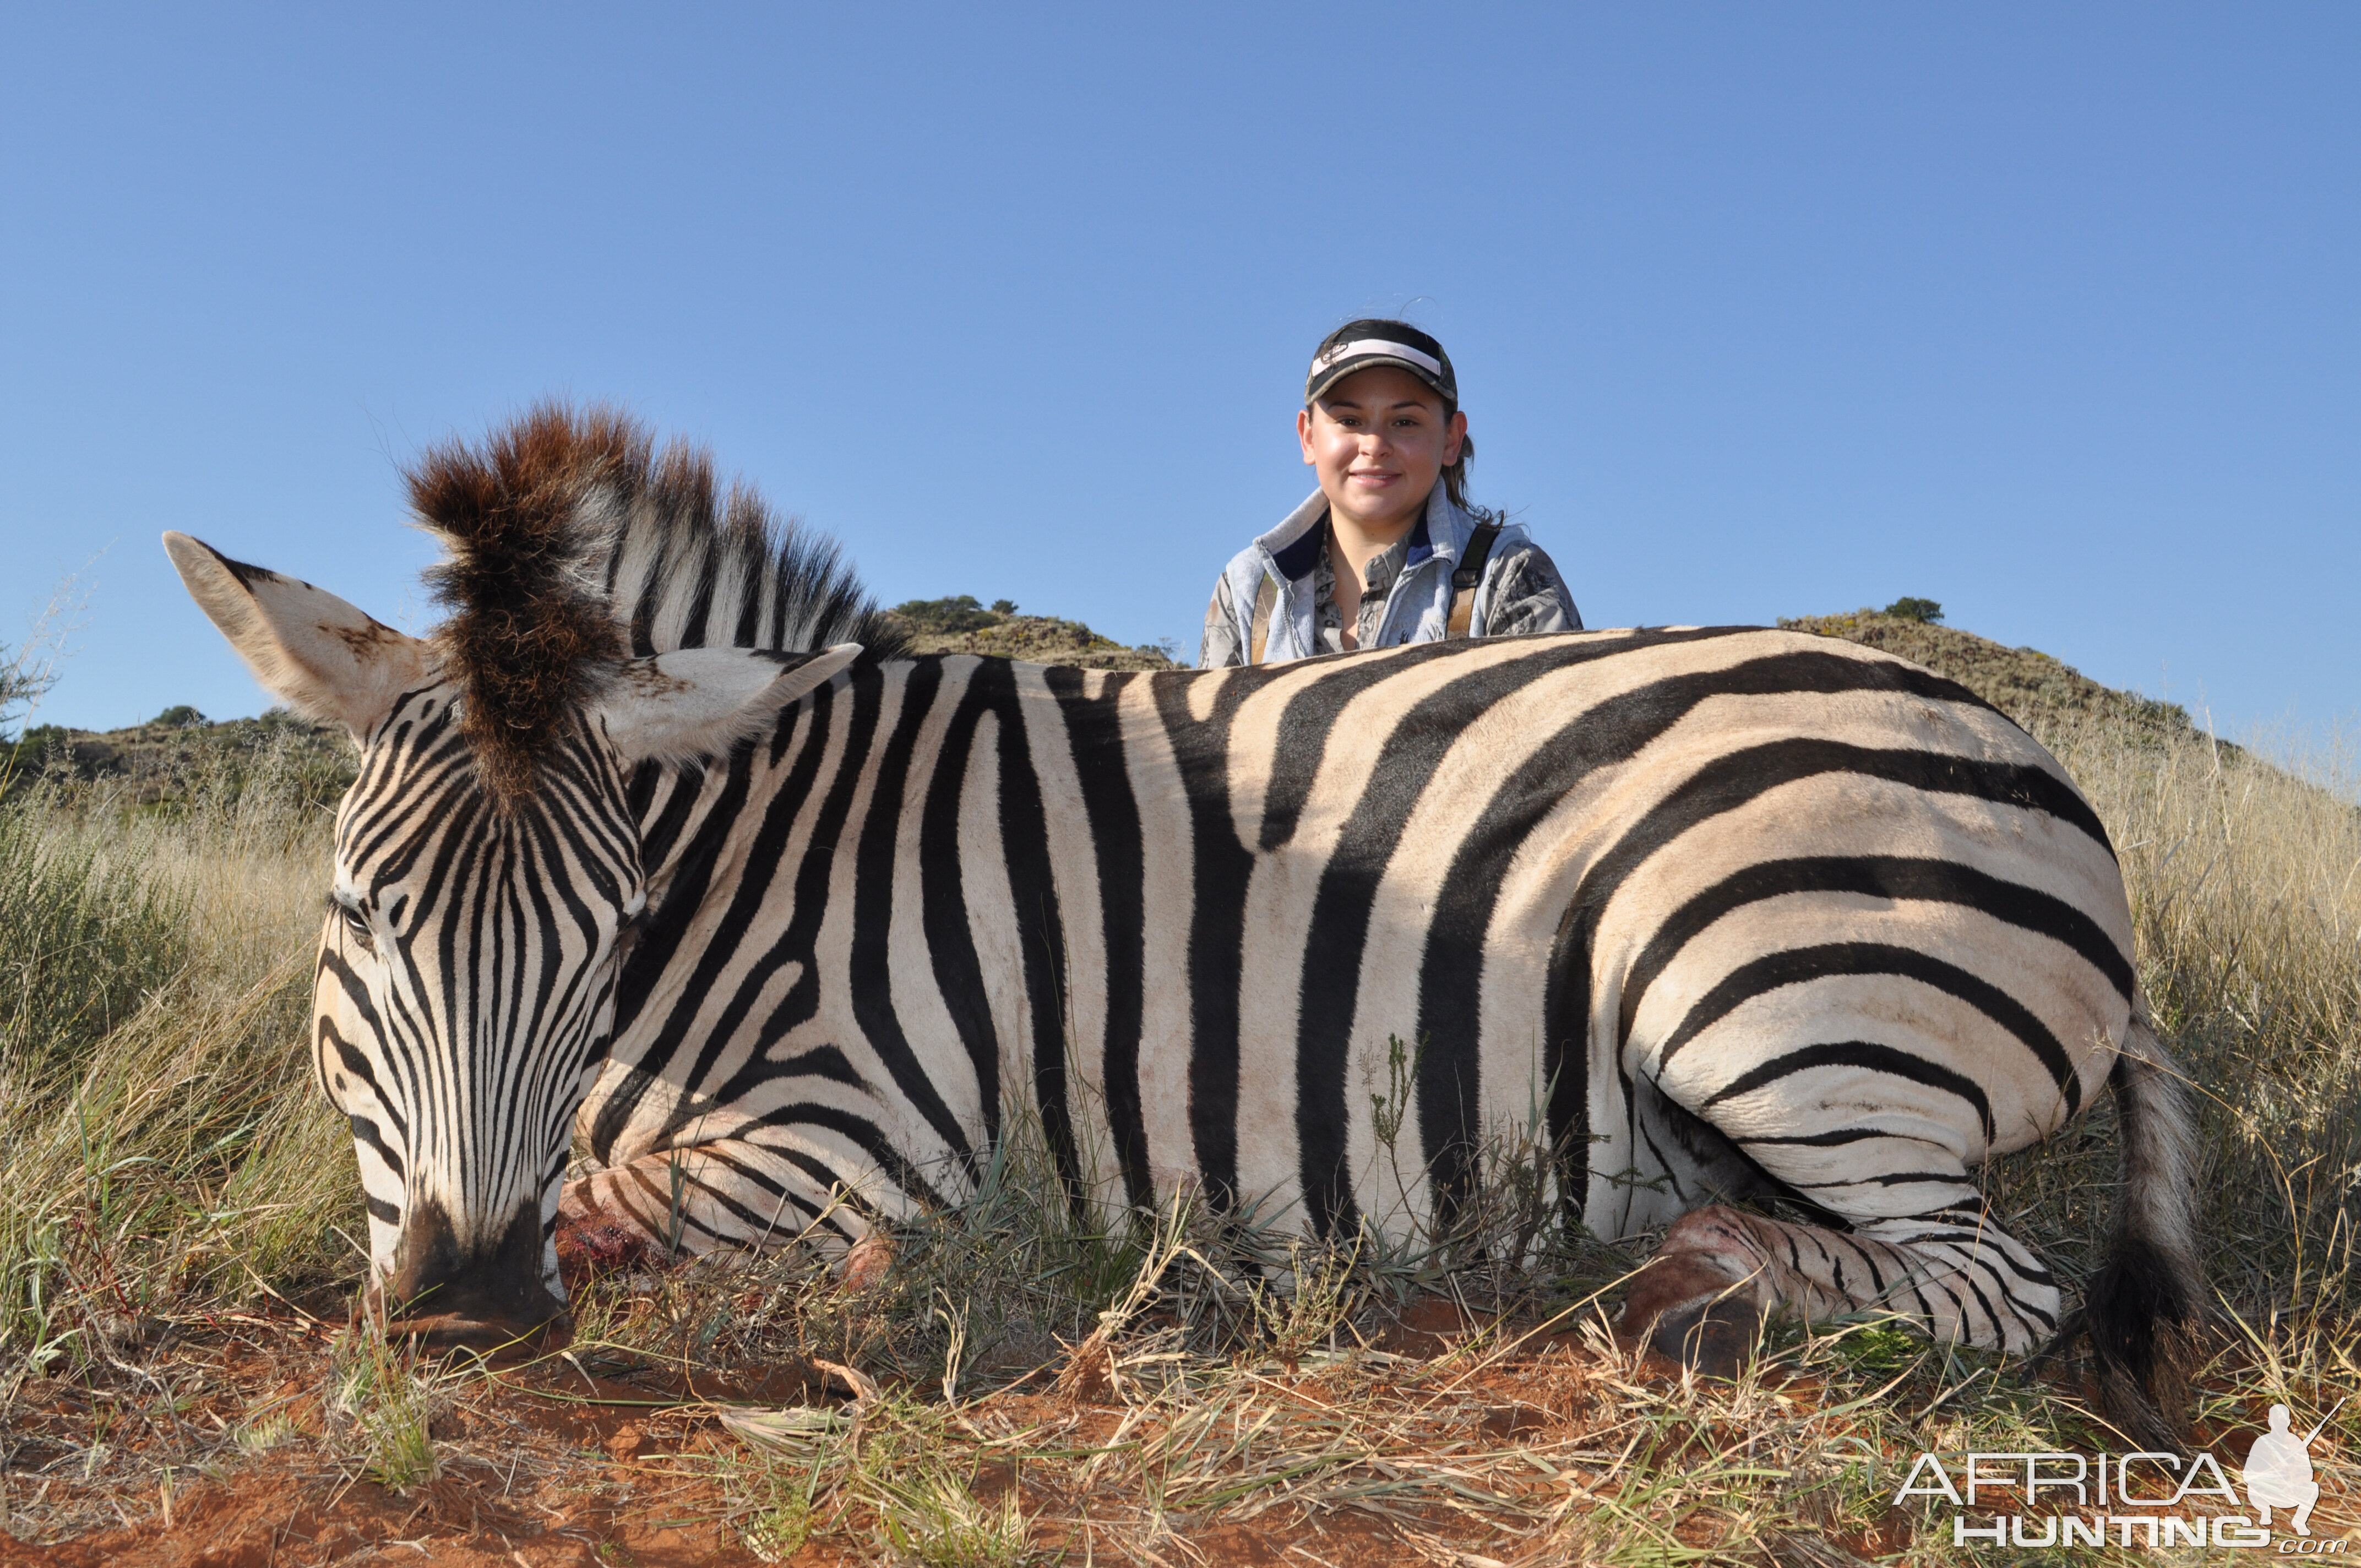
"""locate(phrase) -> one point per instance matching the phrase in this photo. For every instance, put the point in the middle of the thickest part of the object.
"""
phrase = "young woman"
(1388, 550)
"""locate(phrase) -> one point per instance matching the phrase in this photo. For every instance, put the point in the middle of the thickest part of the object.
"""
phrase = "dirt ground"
(549, 1464)
(224, 1443)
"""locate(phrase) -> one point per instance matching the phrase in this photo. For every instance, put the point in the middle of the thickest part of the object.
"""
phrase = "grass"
(1029, 1389)
(389, 1396)
(161, 1147)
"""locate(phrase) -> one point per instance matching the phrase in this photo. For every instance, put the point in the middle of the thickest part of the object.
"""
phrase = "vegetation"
(1925, 611)
(158, 763)
(2027, 684)
(159, 1142)
(1025, 1387)
(962, 625)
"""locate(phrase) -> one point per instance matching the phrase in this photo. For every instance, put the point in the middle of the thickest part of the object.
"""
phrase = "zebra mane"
(571, 543)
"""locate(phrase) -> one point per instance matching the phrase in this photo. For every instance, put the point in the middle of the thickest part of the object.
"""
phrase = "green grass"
(388, 1396)
(84, 939)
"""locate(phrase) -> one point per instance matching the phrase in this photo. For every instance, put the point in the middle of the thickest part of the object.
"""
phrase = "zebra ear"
(700, 702)
(313, 651)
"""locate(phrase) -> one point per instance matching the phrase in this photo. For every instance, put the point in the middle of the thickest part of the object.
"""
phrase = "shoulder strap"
(1266, 601)
(1469, 573)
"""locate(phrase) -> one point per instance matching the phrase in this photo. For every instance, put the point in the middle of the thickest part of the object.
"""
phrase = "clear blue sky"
(2049, 312)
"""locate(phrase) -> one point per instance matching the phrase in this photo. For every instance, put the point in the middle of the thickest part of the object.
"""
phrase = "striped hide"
(1710, 914)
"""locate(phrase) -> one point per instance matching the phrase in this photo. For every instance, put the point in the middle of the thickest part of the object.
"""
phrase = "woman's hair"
(1454, 476)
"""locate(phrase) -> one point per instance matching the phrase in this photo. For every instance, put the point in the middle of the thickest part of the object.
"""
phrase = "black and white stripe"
(1709, 912)
(1697, 893)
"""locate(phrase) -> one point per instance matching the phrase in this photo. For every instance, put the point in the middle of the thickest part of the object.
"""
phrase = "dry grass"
(175, 1157)
(1025, 1388)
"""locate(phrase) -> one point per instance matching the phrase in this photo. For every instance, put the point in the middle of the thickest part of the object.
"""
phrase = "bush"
(1927, 612)
(948, 617)
(30, 750)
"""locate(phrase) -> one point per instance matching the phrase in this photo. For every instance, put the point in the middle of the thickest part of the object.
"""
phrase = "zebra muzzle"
(448, 1296)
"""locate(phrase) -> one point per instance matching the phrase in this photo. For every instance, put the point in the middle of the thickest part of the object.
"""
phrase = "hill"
(164, 758)
(2027, 684)
(962, 625)
(180, 751)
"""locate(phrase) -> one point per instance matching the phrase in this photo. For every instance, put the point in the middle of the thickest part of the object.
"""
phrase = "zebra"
(663, 840)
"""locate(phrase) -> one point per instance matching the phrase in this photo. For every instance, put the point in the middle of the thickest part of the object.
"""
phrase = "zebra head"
(479, 911)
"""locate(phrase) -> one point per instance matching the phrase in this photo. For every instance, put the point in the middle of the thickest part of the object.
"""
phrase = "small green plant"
(932, 1518)
(778, 1531)
(1927, 612)
(265, 1431)
(391, 1404)
(1884, 1346)
(1386, 1109)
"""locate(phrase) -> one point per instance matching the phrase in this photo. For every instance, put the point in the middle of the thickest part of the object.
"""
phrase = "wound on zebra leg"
(592, 1244)
(1702, 1298)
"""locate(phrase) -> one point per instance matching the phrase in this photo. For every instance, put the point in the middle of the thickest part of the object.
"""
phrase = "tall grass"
(2246, 882)
(84, 939)
(160, 1144)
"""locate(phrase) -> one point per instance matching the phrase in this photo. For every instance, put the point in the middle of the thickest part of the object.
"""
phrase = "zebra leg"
(1951, 1269)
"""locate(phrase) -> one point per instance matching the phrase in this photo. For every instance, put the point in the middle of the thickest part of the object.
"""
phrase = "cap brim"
(1316, 389)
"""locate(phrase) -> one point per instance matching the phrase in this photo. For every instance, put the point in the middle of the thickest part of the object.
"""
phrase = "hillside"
(181, 750)
(163, 758)
(962, 625)
(2023, 683)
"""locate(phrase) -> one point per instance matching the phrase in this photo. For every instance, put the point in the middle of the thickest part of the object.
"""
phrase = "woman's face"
(1379, 442)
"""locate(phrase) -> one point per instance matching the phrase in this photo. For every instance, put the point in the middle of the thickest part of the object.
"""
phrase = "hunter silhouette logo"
(2279, 1471)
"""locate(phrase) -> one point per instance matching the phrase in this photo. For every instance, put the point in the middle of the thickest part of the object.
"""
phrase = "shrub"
(1927, 612)
(948, 617)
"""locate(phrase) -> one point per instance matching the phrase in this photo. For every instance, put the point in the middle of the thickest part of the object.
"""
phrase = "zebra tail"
(2145, 1309)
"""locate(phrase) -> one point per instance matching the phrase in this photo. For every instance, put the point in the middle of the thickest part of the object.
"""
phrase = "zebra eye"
(356, 925)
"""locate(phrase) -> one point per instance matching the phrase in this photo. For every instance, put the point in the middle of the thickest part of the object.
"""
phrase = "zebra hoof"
(1715, 1338)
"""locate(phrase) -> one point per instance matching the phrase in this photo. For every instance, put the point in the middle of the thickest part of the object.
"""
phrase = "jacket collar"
(1293, 546)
